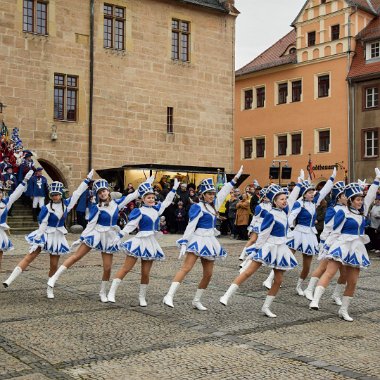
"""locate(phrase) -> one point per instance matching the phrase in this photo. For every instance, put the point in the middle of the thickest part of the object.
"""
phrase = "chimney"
(228, 4)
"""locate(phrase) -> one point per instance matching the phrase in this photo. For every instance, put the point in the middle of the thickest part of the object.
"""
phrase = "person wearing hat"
(25, 166)
(5, 205)
(199, 239)
(39, 190)
(50, 235)
(348, 244)
(327, 238)
(302, 217)
(4, 164)
(101, 233)
(374, 227)
(143, 245)
(270, 248)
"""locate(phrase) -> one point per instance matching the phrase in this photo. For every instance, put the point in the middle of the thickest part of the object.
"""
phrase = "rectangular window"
(296, 143)
(335, 31)
(375, 50)
(371, 144)
(248, 99)
(260, 147)
(35, 16)
(311, 39)
(324, 141)
(372, 97)
(65, 97)
(180, 40)
(323, 86)
(260, 97)
(113, 27)
(248, 149)
(296, 91)
(282, 145)
(169, 120)
(282, 93)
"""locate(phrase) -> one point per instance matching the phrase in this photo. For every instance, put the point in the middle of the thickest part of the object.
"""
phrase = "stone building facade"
(160, 89)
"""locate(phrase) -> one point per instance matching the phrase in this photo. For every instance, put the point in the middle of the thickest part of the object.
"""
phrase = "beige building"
(103, 84)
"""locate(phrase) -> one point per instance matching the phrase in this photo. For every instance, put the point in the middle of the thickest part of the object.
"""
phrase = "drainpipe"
(91, 85)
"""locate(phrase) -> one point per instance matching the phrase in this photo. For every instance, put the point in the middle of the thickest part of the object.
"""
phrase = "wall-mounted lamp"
(2, 106)
(54, 135)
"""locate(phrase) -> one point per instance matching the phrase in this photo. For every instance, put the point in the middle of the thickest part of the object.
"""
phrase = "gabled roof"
(360, 68)
(214, 4)
(370, 6)
(272, 57)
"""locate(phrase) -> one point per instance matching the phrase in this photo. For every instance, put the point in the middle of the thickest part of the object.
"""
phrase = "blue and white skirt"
(5, 242)
(275, 256)
(304, 242)
(105, 241)
(349, 252)
(54, 243)
(206, 247)
(144, 248)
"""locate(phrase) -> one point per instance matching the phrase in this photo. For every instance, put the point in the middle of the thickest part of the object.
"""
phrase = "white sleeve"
(370, 197)
(265, 230)
(195, 214)
(293, 196)
(16, 194)
(324, 191)
(126, 199)
(222, 194)
(167, 201)
(76, 195)
(131, 226)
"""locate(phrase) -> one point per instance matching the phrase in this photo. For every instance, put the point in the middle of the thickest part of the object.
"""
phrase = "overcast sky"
(260, 24)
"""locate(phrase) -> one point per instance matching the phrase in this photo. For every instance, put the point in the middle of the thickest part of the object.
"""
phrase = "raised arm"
(293, 196)
(325, 189)
(225, 190)
(169, 197)
(123, 201)
(19, 190)
(296, 209)
(71, 202)
(371, 193)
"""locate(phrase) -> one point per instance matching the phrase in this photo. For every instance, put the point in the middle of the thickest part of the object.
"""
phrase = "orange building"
(291, 102)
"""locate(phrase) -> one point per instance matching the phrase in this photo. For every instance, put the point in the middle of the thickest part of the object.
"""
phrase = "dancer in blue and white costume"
(5, 205)
(348, 247)
(270, 248)
(303, 215)
(199, 239)
(261, 210)
(50, 236)
(101, 233)
(143, 245)
(339, 202)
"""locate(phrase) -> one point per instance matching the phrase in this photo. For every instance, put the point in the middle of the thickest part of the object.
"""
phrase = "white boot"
(50, 292)
(268, 282)
(197, 300)
(318, 292)
(54, 278)
(103, 292)
(168, 299)
(227, 295)
(242, 255)
(16, 272)
(244, 265)
(309, 291)
(266, 306)
(298, 287)
(343, 311)
(142, 295)
(337, 294)
(111, 294)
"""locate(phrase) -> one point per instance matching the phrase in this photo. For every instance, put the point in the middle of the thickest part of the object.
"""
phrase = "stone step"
(23, 224)
(21, 230)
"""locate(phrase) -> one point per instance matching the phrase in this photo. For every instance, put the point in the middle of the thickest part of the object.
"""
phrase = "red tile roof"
(273, 56)
(360, 67)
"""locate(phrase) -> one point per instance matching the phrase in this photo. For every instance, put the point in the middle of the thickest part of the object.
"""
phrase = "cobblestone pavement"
(75, 336)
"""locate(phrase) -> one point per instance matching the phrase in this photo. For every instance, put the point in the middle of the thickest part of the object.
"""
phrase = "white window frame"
(243, 98)
(373, 144)
(372, 97)
(243, 139)
(291, 144)
(369, 47)
(254, 104)
(276, 144)
(316, 76)
(276, 89)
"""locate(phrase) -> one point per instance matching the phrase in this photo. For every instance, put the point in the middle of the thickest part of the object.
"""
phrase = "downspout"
(90, 109)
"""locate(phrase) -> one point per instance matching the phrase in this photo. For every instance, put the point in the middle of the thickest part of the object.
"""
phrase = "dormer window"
(292, 50)
(373, 50)
(311, 39)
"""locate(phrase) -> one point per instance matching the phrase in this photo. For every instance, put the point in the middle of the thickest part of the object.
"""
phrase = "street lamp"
(2, 106)
(54, 134)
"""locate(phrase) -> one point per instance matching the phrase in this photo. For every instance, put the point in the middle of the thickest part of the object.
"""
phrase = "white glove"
(377, 171)
(90, 175)
(334, 173)
(28, 175)
(176, 184)
(302, 175)
(362, 183)
(183, 251)
(239, 173)
(151, 179)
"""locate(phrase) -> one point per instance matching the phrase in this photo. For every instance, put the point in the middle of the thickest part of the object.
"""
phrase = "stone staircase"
(21, 222)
